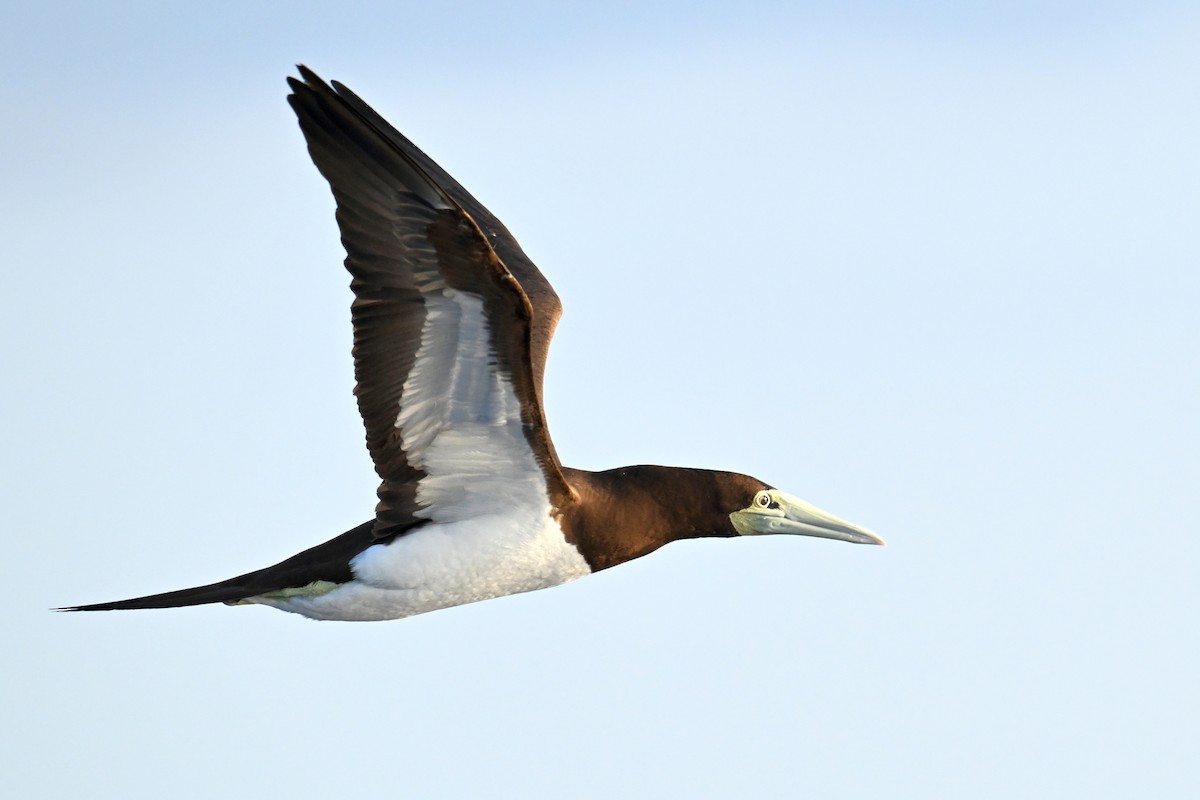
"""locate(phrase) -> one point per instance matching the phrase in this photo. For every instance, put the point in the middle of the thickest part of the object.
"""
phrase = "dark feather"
(409, 229)
(329, 561)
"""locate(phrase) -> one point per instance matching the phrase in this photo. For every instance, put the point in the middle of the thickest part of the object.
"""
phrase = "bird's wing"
(445, 354)
(547, 309)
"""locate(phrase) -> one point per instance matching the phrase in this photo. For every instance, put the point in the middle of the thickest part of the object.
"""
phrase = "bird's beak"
(773, 511)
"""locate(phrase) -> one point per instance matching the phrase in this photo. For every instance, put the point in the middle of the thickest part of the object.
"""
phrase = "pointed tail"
(325, 562)
(229, 591)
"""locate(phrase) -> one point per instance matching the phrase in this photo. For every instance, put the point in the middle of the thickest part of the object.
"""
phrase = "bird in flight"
(452, 323)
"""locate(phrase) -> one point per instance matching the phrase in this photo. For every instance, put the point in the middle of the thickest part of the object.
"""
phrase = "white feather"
(490, 529)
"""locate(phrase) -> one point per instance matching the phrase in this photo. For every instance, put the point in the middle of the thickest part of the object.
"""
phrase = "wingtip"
(307, 79)
(308, 74)
(313, 81)
(309, 83)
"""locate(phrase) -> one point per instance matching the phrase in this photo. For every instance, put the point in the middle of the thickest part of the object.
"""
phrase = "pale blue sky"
(931, 266)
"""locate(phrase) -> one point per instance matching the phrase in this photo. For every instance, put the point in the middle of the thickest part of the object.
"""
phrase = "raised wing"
(547, 309)
(445, 353)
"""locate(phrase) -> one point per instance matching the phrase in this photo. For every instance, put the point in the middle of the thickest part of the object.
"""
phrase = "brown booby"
(452, 323)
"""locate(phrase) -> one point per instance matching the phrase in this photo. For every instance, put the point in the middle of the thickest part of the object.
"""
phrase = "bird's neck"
(631, 511)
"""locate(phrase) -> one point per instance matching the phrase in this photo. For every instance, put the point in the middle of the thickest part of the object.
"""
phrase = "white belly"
(488, 530)
(446, 564)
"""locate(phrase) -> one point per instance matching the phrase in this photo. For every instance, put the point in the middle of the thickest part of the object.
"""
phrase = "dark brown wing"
(448, 386)
(547, 309)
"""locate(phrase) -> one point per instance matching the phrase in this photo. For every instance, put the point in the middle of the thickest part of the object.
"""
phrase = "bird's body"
(452, 324)
(444, 564)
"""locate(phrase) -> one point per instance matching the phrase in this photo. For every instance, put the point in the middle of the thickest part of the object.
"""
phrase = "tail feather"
(325, 562)
(224, 592)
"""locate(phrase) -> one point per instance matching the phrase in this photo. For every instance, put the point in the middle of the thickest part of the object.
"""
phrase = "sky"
(931, 266)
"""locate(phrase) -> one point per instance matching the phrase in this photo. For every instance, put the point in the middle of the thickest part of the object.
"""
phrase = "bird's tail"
(326, 563)
(230, 591)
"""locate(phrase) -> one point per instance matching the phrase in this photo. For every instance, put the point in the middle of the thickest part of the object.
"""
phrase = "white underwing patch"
(490, 530)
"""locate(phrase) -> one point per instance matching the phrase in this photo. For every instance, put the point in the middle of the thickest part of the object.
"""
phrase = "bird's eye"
(762, 500)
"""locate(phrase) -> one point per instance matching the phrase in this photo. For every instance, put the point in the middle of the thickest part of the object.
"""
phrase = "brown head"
(631, 511)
